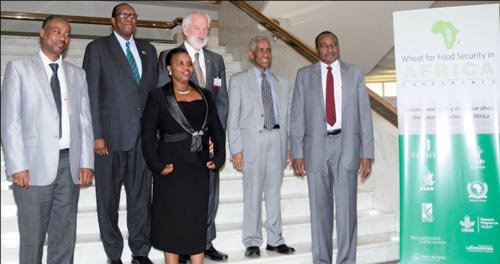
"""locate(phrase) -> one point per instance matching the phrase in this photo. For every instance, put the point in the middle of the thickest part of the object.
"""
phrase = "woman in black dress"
(178, 121)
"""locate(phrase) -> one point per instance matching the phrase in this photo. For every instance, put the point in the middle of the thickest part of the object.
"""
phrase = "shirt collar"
(334, 65)
(122, 41)
(258, 72)
(47, 61)
(191, 51)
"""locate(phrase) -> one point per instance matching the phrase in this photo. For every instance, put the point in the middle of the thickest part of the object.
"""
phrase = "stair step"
(296, 229)
(293, 204)
(295, 210)
(374, 248)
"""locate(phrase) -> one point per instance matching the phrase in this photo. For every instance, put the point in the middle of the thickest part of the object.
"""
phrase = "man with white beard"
(210, 73)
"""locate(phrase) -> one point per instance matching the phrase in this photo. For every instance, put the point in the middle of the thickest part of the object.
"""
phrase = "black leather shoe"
(141, 260)
(215, 255)
(184, 259)
(117, 261)
(282, 249)
(252, 252)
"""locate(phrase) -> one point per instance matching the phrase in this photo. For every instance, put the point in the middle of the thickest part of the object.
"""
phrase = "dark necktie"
(267, 100)
(197, 69)
(56, 90)
(331, 116)
(132, 63)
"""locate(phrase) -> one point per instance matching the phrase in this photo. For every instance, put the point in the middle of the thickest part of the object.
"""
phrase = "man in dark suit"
(210, 73)
(47, 139)
(121, 70)
(332, 137)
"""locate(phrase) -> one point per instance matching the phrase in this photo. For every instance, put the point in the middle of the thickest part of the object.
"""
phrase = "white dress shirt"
(64, 141)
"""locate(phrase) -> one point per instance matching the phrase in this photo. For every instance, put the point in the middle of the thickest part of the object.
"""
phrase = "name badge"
(217, 82)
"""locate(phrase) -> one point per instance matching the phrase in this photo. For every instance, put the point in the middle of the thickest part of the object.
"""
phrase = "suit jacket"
(116, 101)
(158, 118)
(30, 121)
(214, 65)
(308, 125)
(246, 114)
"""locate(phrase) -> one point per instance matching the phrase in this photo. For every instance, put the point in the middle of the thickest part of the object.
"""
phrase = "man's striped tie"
(132, 63)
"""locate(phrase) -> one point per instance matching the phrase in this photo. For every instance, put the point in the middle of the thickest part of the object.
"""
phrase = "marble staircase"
(378, 239)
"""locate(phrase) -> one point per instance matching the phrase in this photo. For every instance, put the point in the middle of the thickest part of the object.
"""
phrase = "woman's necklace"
(183, 92)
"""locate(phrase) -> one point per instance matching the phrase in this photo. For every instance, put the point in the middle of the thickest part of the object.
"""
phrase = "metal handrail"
(378, 104)
(86, 20)
(97, 20)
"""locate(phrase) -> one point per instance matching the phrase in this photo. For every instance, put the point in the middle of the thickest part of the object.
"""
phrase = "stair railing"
(378, 104)
(97, 20)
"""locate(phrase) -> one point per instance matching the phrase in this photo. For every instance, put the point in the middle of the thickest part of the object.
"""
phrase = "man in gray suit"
(47, 139)
(332, 138)
(121, 70)
(258, 133)
(210, 73)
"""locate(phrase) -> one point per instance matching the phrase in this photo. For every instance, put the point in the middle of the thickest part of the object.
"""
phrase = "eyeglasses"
(127, 15)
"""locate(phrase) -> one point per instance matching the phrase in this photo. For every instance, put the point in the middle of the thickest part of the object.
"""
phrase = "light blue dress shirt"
(273, 91)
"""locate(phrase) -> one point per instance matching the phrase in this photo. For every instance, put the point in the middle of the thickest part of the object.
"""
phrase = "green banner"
(448, 78)
(449, 199)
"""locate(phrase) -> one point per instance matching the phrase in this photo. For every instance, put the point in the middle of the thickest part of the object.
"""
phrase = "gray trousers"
(264, 176)
(126, 168)
(51, 210)
(334, 184)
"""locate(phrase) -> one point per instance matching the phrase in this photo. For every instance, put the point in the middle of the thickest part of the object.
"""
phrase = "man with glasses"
(121, 70)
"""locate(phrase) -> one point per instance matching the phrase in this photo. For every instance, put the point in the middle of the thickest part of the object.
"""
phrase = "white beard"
(193, 41)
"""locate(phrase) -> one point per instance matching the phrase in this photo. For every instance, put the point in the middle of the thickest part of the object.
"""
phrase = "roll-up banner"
(448, 79)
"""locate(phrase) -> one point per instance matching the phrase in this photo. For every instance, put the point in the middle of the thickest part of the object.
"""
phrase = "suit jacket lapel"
(208, 70)
(279, 91)
(317, 85)
(346, 81)
(70, 85)
(142, 55)
(254, 86)
(41, 75)
(117, 53)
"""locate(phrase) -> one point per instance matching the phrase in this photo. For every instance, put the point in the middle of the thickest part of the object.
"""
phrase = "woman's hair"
(171, 54)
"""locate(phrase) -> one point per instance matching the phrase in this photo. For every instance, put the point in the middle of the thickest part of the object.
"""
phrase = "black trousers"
(127, 168)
